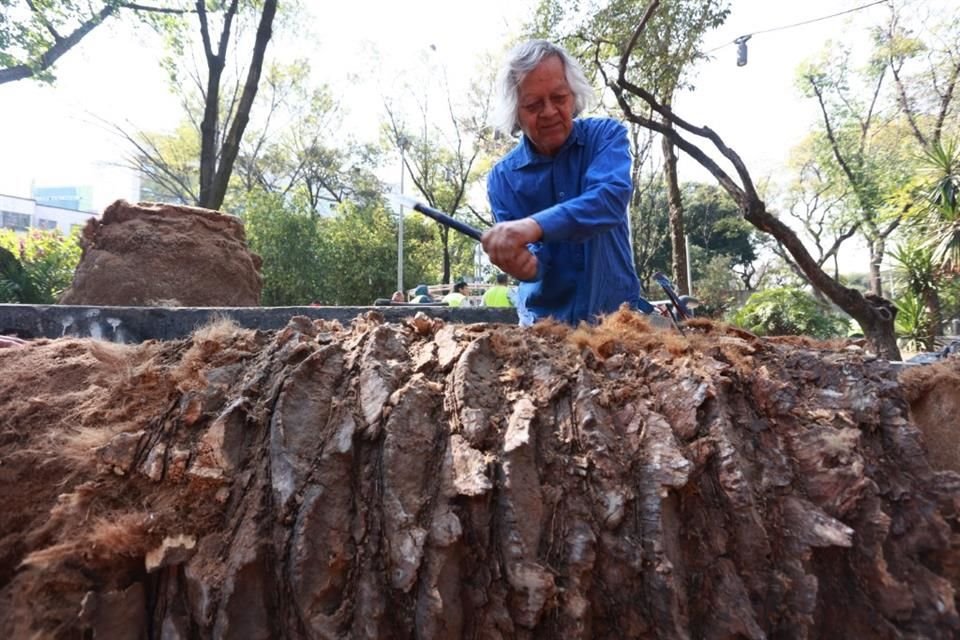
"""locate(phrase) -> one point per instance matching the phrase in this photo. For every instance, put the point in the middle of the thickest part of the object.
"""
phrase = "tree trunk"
(876, 262)
(931, 299)
(210, 124)
(423, 480)
(231, 144)
(447, 276)
(678, 243)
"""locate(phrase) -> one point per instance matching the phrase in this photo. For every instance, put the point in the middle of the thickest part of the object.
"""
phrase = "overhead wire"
(747, 36)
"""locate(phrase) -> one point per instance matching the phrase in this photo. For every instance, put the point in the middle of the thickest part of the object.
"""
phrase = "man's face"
(546, 106)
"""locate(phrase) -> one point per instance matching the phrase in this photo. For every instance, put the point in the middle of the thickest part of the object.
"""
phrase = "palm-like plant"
(918, 272)
(911, 322)
(942, 221)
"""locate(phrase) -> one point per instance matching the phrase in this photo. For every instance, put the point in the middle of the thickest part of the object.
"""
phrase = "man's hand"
(506, 245)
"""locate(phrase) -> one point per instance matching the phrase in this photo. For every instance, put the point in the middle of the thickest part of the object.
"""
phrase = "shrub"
(36, 268)
(788, 311)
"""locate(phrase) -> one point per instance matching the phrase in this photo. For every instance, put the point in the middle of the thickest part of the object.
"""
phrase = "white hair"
(523, 59)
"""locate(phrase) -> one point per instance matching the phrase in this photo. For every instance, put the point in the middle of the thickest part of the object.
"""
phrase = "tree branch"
(43, 20)
(60, 47)
(149, 9)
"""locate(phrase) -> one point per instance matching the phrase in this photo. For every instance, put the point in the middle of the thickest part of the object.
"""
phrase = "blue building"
(76, 198)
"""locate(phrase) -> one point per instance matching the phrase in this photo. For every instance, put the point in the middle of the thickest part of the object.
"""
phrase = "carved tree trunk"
(431, 481)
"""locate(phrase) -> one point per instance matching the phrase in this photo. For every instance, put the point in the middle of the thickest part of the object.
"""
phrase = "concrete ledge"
(137, 324)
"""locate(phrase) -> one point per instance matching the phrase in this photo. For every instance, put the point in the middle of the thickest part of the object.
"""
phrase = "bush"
(788, 311)
(912, 322)
(36, 268)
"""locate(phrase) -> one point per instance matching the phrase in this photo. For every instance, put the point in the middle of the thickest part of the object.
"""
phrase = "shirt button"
(562, 194)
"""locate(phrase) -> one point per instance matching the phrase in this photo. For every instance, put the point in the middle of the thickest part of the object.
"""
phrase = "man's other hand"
(506, 245)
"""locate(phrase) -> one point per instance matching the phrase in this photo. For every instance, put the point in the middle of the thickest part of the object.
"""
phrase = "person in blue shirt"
(560, 196)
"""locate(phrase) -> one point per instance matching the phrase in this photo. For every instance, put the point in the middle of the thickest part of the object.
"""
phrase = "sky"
(61, 134)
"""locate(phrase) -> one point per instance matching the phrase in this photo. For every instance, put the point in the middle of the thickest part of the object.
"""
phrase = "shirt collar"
(527, 155)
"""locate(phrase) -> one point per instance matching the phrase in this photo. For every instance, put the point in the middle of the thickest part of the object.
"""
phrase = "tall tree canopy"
(35, 34)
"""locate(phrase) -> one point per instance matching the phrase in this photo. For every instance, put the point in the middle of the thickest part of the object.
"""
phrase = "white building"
(21, 214)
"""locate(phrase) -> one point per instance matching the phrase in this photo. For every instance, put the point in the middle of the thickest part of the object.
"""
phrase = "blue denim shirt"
(579, 198)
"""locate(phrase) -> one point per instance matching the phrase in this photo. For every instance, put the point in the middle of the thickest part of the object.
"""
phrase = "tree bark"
(442, 481)
(678, 243)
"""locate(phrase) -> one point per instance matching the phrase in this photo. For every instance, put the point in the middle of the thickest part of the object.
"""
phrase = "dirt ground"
(434, 480)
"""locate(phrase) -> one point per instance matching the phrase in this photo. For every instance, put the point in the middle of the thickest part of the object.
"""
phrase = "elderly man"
(560, 196)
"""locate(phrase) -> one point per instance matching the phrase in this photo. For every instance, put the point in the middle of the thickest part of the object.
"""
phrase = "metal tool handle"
(447, 221)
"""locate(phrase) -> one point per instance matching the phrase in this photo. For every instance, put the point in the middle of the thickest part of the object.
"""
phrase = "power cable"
(741, 41)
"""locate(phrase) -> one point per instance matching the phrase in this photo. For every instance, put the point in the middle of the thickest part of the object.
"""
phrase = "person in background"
(398, 297)
(458, 296)
(560, 196)
(421, 295)
(498, 295)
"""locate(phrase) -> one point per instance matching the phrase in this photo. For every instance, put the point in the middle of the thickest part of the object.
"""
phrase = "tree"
(815, 202)
(940, 219)
(35, 34)
(717, 227)
(444, 162)
(220, 119)
(167, 163)
(860, 150)
(860, 173)
(218, 152)
(874, 314)
(918, 274)
(292, 148)
(717, 234)
(287, 239)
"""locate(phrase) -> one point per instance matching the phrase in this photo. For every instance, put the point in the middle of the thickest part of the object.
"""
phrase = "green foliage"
(359, 256)
(348, 258)
(714, 223)
(716, 229)
(38, 267)
(25, 28)
(666, 49)
(916, 269)
(716, 286)
(288, 240)
(912, 322)
(941, 215)
(788, 311)
(167, 164)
